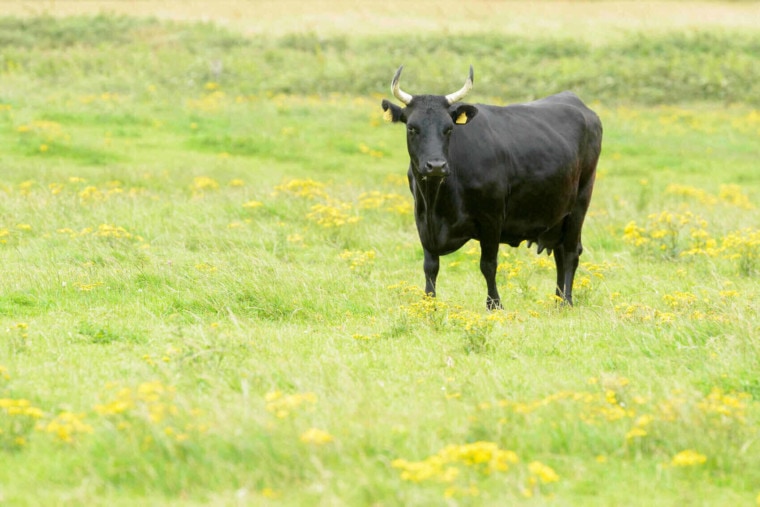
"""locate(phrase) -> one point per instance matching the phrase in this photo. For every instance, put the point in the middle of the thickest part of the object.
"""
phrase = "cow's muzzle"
(435, 169)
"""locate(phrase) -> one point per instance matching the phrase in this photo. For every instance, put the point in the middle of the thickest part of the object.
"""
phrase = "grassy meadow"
(211, 288)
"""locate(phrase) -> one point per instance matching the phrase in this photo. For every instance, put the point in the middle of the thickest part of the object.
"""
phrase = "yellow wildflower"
(687, 458)
(543, 472)
(316, 437)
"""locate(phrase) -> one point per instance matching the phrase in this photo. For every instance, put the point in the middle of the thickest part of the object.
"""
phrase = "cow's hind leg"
(567, 253)
(566, 258)
(431, 266)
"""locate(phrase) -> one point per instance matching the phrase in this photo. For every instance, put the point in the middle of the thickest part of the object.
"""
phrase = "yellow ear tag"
(387, 115)
(461, 119)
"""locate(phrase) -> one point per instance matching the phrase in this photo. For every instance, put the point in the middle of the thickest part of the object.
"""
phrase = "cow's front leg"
(431, 266)
(489, 253)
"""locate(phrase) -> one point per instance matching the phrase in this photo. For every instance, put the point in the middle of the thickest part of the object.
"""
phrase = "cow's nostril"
(436, 165)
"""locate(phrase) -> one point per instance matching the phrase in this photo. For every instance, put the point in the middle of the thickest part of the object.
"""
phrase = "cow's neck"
(435, 211)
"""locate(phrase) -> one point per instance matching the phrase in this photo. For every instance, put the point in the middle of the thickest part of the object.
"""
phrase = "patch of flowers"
(108, 232)
(306, 188)
(638, 420)
(150, 408)
(687, 458)
(665, 232)
(202, 185)
(282, 405)
(684, 234)
(315, 436)
(333, 213)
(474, 327)
(460, 467)
(359, 261)
(66, 426)
(18, 418)
(393, 202)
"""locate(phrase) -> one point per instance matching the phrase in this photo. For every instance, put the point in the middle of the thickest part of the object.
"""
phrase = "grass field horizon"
(212, 282)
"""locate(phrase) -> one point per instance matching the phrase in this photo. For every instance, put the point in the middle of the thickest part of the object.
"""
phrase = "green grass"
(199, 269)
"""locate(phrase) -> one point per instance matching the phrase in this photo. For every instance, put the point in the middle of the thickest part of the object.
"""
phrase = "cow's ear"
(462, 114)
(393, 113)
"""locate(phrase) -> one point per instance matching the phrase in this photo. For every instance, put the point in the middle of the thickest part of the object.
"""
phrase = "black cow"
(499, 175)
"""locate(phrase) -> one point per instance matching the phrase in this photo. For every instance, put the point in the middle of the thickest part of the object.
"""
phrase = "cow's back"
(532, 156)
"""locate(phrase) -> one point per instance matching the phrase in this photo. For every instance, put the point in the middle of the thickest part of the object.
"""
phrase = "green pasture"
(211, 288)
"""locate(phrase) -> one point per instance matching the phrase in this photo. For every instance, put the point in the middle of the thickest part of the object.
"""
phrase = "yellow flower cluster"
(539, 474)
(109, 231)
(65, 426)
(475, 327)
(17, 420)
(461, 466)
(733, 195)
(203, 184)
(307, 188)
(725, 405)
(359, 260)
(697, 194)
(153, 398)
(664, 230)
(49, 131)
(113, 231)
(87, 194)
(369, 151)
(392, 202)
(727, 194)
(597, 406)
(688, 458)
(20, 407)
(743, 246)
(282, 405)
(333, 214)
(635, 417)
(252, 204)
(484, 457)
(205, 267)
(330, 213)
(679, 300)
(685, 234)
(315, 436)
(428, 309)
(148, 405)
(210, 102)
(87, 287)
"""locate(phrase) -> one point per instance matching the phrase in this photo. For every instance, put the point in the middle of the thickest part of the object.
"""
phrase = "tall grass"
(211, 286)
(671, 67)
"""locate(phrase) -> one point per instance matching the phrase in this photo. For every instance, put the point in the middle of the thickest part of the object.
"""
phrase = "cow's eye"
(412, 131)
(448, 131)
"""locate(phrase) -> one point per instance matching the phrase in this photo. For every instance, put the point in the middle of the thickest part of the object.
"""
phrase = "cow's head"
(430, 121)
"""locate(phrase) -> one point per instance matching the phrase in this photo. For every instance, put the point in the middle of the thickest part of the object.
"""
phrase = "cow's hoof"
(493, 304)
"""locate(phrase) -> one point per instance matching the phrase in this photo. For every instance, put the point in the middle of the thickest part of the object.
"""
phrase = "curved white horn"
(397, 91)
(459, 95)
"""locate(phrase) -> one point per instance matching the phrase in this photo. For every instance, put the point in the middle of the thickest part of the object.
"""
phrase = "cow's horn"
(397, 91)
(457, 96)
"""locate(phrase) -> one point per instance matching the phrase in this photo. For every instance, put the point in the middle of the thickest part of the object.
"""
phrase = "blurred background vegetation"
(79, 53)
